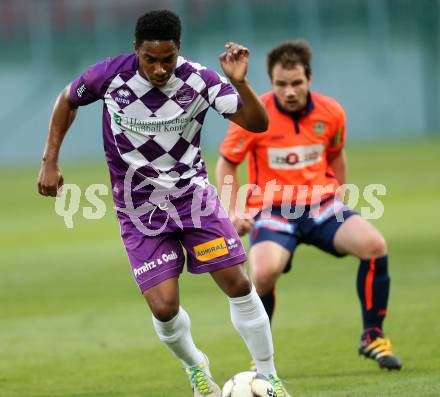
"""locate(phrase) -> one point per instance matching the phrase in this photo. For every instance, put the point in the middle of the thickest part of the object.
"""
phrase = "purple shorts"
(155, 238)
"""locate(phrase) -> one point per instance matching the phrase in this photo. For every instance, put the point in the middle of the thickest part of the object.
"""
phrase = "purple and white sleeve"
(221, 95)
(89, 86)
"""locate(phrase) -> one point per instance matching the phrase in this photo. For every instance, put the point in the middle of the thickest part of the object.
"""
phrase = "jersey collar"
(297, 115)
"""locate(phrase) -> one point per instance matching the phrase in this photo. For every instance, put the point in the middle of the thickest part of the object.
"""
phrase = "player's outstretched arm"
(234, 62)
(50, 178)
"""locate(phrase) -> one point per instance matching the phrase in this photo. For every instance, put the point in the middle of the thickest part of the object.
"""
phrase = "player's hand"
(242, 222)
(234, 62)
(50, 179)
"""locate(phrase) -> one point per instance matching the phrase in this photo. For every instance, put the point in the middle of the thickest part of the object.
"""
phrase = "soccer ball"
(248, 384)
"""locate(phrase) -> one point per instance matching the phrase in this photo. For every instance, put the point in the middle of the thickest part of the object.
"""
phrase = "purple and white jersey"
(154, 131)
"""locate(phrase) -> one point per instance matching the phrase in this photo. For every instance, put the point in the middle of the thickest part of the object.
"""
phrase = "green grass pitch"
(72, 323)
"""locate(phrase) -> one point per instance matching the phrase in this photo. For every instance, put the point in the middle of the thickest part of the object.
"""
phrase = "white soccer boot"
(202, 383)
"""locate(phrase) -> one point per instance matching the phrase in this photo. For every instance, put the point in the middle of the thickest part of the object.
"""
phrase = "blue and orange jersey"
(293, 154)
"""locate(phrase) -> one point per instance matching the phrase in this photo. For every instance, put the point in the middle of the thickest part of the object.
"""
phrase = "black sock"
(373, 285)
(269, 303)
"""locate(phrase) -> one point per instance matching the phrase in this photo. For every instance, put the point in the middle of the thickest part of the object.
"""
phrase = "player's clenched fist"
(234, 62)
(50, 179)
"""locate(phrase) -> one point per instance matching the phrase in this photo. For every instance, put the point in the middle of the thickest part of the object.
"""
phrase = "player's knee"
(264, 281)
(164, 310)
(374, 246)
(264, 277)
(239, 287)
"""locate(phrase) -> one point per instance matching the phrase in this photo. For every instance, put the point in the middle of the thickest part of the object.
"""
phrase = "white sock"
(176, 334)
(251, 321)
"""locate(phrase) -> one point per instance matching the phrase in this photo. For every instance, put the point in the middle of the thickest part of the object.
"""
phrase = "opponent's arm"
(252, 116)
(242, 222)
(50, 178)
(338, 164)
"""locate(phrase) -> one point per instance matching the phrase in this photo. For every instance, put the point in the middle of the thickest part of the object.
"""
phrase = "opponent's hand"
(50, 179)
(234, 62)
(242, 222)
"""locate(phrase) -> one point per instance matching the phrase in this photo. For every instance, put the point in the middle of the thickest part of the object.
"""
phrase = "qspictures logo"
(211, 249)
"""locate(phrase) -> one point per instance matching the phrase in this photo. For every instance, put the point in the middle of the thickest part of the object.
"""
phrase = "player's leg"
(273, 242)
(250, 320)
(173, 327)
(171, 321)
(357, 237)
(215, 247)
(156, 263)
(351, 234)
(268, 259)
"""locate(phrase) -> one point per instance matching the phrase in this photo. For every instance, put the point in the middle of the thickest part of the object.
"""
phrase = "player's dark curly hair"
(289, 54)
(158, 25)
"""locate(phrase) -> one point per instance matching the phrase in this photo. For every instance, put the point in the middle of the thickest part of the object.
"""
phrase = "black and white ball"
(248, 384)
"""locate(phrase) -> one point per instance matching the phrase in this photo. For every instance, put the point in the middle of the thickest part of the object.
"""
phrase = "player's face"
(157, 60)
(291, 87)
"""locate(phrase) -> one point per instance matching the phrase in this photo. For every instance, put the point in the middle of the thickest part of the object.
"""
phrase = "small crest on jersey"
(319, 128)
(185, 96)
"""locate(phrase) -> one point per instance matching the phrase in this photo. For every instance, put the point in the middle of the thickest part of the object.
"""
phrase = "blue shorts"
(290, 226)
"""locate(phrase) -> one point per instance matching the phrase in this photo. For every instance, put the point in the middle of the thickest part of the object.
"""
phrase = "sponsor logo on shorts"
(325, 211)
(153, 264)
(275, 224)
(295, 157)
(211, 249)
(231, 243)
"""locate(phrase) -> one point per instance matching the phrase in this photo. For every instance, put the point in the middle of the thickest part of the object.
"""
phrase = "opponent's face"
(157, 60)
(291, 87)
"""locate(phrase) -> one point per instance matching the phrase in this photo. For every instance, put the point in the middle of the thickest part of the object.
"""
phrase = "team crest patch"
(185, 97)
(211, 249)
(319, 128)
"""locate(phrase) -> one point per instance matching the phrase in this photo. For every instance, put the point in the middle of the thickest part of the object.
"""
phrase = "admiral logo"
(81, 90)
(295, 157)
(211, 249)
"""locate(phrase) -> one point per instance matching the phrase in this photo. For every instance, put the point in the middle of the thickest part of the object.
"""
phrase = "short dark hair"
(289, 54)
(158, 25)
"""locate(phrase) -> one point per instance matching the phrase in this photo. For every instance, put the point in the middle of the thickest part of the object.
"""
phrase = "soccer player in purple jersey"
(155, 102)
